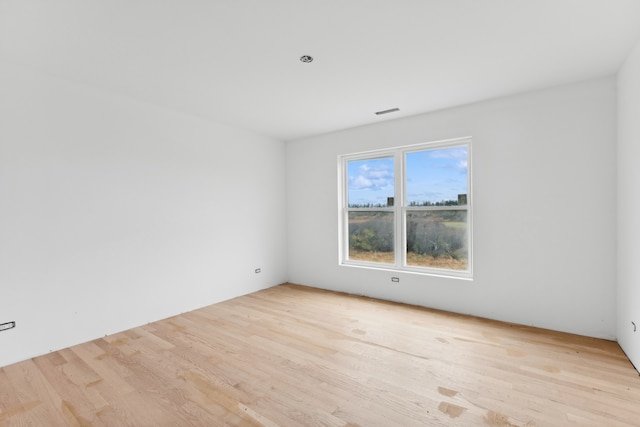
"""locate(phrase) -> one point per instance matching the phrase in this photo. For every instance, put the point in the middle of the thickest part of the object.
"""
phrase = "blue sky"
(432, 175)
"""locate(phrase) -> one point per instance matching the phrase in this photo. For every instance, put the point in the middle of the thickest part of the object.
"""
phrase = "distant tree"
(440, 203)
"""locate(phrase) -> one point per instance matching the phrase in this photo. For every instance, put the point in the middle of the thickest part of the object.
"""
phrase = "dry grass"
(413, 259)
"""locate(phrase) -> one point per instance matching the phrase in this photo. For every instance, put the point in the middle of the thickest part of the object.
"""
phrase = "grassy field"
(413, 259)
(435, 239)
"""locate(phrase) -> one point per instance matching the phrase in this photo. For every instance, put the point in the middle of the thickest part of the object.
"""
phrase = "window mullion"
(399, 208)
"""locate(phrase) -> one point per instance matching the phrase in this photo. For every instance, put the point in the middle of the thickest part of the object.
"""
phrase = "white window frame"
(400, 209)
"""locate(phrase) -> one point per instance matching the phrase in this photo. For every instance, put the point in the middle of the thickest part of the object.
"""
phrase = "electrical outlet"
(634, 325)
(8, 325)
(395, 279)
(258, 270)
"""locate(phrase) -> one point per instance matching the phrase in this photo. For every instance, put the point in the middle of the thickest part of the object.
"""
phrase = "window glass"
(436, 177)
(437, 239)
(371, 182)
(371, 236)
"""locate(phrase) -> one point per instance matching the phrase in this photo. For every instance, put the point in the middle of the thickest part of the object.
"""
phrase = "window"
(408, 208)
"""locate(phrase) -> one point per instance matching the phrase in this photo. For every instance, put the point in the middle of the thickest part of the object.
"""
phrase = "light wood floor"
(296, 356)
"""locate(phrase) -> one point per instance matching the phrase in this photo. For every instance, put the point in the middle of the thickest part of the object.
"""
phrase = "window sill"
(446, 274)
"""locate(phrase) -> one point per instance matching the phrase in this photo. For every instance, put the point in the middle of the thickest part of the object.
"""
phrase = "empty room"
(319, 213)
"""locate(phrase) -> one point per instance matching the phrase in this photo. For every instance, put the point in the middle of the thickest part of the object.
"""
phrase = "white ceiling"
(237, 61)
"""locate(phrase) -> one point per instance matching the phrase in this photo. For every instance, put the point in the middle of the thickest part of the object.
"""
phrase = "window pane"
(437, 177)
(437, 239)
(370, 183)
(371, 236)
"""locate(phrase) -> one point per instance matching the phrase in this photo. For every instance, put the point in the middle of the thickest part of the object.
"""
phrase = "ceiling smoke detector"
(306, 58)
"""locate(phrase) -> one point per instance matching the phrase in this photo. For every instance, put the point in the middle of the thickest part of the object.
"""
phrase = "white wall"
(544, 177)
(115, 213)
(629, 206)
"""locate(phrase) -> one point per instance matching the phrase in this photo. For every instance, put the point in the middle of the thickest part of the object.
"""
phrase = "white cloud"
(449, 153)
(369, 177)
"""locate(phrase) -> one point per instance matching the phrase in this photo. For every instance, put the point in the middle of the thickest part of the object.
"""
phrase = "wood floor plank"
(41, 403)
(297, 356)
(81, 399)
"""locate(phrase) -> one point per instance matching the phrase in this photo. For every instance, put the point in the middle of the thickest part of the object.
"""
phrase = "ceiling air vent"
(391, 110)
